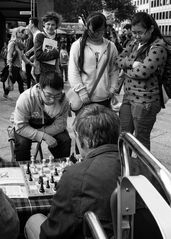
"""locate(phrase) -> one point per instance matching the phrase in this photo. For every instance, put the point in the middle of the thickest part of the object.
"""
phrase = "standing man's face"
(50, 27)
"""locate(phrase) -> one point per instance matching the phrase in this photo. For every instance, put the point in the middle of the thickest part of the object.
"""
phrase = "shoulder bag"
(73, 97)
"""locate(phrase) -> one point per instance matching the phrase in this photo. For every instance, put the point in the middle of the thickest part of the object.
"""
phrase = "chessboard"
(41, 179)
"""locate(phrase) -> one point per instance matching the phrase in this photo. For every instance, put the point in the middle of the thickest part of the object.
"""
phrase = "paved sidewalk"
(160, 138)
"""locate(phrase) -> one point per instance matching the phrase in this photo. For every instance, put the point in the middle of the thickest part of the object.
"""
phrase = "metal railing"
(128, 143)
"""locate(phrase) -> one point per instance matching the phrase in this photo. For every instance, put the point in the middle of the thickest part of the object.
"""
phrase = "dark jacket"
(84, 186)
(43, 56)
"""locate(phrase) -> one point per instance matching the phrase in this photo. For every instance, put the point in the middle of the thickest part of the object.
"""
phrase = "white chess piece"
(50, 162)
(32, 165)
(44, 162)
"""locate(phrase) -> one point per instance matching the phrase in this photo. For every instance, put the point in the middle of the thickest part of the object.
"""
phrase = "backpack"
(164, 79)
(3, 52)
(64, 57)
(166, 76)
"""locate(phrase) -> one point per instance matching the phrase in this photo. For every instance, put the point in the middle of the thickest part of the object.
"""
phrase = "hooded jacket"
(29, 107)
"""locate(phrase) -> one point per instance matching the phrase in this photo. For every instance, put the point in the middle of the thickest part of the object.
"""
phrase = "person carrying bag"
(74, 99)
(92, 72)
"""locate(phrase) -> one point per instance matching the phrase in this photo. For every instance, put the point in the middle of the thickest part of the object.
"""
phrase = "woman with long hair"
(87, 56)
(15, 55)
(141, 61)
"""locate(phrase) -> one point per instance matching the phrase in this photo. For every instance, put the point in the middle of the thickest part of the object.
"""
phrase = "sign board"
(25, 12)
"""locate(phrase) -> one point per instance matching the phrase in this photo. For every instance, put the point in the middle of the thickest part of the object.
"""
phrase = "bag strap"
(101, 71)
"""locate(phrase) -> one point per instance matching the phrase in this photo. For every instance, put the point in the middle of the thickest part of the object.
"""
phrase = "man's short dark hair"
(34, 20)
(51, 79)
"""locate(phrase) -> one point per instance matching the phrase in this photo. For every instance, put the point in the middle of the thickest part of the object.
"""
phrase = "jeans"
(17, 77)
(23, 146)
(139, 118)
(64, 69)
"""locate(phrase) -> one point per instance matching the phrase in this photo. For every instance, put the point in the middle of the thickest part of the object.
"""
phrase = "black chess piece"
(56, 172)
(28, 168)
(30, 177)
(47, 184)
(52, 179)
(40, 179)
(41, 190)
(73, 158)
(55, 186)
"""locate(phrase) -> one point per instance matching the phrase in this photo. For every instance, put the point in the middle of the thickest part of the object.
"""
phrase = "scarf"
(48, 35)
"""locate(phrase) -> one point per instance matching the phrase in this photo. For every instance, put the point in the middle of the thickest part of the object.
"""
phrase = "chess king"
(41, 114)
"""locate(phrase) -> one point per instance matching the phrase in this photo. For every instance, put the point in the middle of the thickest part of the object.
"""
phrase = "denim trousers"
(23, 146)
(139, 118)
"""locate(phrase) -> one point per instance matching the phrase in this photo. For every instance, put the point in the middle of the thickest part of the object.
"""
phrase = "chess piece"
(47, 184)
(52, 179)
(56, 172)
(30, 177)
(32, 162)
(41, 190)
(50, 164)
(73, 158)
(28, 168)
(41, 173)
(55, 186)
(44, 162)
(40, 179)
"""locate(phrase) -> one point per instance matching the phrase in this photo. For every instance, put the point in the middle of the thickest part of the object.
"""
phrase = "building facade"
(160, 10)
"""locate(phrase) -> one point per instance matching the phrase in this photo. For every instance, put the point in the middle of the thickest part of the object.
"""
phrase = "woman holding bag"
(88, 55)
(15, 55)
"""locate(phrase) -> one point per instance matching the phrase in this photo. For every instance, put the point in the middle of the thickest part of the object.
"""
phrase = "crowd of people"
(41, 111)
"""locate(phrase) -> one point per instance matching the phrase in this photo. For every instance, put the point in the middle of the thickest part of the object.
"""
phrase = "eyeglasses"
(49, 96)
(139, 33)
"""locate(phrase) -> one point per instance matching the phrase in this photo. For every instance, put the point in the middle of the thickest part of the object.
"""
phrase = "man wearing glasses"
(41, 114)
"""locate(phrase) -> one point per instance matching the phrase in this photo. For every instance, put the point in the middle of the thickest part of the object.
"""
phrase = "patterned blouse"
(141, 72)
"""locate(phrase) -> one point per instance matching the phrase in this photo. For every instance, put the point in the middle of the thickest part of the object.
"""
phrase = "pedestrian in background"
(51, 21)
(64, 61)
(15, 55)
(140, 62)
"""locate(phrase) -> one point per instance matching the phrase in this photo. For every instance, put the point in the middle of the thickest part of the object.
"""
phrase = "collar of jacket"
(102, 149)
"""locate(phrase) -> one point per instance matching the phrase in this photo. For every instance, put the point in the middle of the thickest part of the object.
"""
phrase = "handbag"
(74, 98)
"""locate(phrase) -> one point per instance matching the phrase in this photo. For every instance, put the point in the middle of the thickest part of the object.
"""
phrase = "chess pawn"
(30, 177)
(56, 172)
(32, 162)
(41, 173)
(40, 179)
(44, 162)
(52, 179)
(50, 165)
(47, 184)
(41, 190)
(28, 168)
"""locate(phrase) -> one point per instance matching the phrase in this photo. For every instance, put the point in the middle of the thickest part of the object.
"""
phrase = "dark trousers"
(29, 75)
(15, 77)
(64, 70)
(23, 146)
